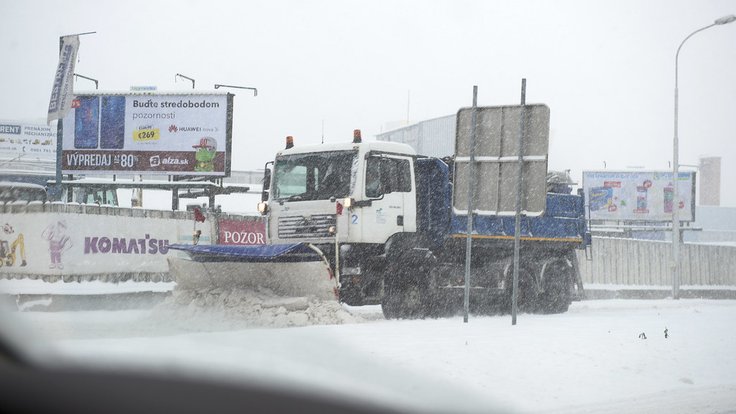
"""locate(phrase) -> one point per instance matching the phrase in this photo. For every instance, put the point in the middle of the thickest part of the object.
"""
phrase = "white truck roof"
(380, 146)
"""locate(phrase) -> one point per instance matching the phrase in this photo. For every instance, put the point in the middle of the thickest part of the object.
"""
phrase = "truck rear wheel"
(556, 282)
(527, 300)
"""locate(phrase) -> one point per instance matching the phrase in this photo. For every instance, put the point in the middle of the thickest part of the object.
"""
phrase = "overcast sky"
(605, 68)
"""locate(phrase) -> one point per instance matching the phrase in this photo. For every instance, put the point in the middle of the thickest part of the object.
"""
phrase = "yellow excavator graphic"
(8, 249)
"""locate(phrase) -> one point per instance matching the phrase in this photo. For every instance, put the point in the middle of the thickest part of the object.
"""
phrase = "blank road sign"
(496, 154)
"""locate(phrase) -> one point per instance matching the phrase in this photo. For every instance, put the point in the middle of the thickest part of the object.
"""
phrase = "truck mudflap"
(290, 270)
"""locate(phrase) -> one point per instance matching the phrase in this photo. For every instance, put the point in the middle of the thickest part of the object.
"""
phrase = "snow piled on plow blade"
(275, 285)
(286, 269)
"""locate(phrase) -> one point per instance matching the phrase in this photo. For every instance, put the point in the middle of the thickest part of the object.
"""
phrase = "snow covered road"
(590, 359)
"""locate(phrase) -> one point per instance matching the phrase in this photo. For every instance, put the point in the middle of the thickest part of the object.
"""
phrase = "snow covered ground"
(590, 359)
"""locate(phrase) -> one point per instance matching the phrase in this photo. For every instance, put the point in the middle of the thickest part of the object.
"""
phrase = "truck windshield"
(313, 176)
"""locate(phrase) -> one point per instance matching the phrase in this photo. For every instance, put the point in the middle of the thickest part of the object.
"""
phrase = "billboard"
(27, 141)
(496, 154)
(81, 244)
(168, 134)
(640, 195)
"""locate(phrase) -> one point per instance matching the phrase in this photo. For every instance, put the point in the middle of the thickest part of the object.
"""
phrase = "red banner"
(244, 233)
(148, 161)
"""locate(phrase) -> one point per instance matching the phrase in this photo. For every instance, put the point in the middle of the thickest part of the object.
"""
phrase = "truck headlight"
(347, 202)
(263, 207)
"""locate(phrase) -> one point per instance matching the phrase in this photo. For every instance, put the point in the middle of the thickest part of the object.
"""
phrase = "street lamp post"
(76, 75)
(675, 167)
(179, 75)
(255, 91)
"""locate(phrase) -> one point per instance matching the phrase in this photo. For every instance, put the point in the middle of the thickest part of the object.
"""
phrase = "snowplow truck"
(382, 221)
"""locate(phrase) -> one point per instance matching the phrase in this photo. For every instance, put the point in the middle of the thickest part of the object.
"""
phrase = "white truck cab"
(363, 192)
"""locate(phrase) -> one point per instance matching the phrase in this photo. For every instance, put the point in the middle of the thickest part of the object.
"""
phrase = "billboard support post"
(229, 134)
(517, 221)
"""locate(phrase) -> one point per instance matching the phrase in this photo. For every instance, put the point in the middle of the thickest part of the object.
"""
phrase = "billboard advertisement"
(30, 141)
(639, 196)
(168, 134)
(81, 244)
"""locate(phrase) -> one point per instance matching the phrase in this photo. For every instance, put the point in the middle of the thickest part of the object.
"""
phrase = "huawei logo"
(173, 128)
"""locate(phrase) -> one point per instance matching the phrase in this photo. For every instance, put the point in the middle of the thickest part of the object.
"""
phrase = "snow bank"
(234, 308)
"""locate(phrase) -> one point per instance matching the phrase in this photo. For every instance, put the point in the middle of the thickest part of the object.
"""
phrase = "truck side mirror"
(266, 183)
(266, 180)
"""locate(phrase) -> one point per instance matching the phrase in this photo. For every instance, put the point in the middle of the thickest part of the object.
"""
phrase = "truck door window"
(387, 175)
(373, 187)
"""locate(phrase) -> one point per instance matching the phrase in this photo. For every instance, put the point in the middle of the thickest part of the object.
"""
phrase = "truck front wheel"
(403, 299)
(405, 290)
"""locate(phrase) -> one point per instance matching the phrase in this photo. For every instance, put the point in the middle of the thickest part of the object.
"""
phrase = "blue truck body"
(562, 222)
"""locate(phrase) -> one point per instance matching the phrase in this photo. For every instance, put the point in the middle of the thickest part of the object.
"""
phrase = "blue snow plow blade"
(294, 252)
(290, 270)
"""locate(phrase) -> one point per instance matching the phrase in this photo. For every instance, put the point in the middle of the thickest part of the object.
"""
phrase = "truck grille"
(316, 225)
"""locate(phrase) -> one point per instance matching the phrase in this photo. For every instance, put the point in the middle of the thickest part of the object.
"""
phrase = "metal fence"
(644, 262)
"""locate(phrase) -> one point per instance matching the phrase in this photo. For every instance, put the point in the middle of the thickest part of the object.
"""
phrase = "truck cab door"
(388, 183)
